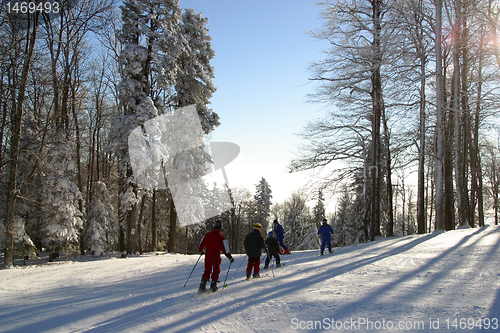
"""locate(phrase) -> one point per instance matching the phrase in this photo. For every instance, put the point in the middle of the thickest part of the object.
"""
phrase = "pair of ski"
(274, 267)
(209, 292)
(252, 278)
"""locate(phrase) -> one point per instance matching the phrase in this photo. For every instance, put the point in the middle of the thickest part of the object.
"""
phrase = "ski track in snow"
(451, 275)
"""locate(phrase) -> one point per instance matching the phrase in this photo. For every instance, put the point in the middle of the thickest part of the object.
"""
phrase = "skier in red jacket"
(212, 244)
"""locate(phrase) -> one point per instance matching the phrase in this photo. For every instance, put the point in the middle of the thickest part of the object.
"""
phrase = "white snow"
(415, 280)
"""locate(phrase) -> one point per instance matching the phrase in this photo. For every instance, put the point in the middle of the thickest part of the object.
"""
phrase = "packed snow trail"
(440, 282)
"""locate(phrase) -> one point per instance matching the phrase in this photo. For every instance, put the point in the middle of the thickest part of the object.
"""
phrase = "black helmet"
(324, 221)
(218, 224)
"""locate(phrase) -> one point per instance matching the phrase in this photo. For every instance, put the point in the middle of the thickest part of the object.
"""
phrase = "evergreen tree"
(340, 226)
(193, 83)
(319, 209)
(101, 229)
(23, 244)
(348, 225)
(62, 221)
(152, 43)
(311, 240)
(263, 198)
(297, 220)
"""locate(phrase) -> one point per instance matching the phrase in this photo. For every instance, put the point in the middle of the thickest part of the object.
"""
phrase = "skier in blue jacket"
(326, 239)
(279, 232)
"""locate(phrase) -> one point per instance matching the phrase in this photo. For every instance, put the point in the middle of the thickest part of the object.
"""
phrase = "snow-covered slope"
(401, 284)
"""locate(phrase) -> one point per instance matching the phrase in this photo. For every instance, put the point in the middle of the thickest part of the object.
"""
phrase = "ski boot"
(203, 287)
(248, 276)
(213, 286)
(287, 251)
(266, 267)
(278, 265)
(256, 276)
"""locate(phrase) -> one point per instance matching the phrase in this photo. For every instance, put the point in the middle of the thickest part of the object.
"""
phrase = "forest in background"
(75, 84)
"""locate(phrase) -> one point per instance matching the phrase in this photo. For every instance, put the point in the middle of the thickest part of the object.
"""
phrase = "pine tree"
(61, 217)
(349, 225)
(319, 209)
(342, 234)
(263, 198)
(152, 43)
(193, 83)
(101, 229)
(23, 245)
(311, 240)
(297, 220)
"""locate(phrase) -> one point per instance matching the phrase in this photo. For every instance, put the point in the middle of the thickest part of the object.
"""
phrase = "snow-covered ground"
(423, 283)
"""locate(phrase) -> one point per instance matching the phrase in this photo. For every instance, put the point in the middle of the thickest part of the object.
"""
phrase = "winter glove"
(230, 257)
(202, 253)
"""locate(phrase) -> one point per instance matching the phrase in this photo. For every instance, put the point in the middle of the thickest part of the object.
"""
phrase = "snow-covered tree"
(263, 198)
(18, 97)
(193, 83)
(152, 43)
(22, 242)
(102, 228)
(62, 221)
(166, 57)
(319, 209)
(311, 240)
(297, 220)
(342, 235)
(348, 225)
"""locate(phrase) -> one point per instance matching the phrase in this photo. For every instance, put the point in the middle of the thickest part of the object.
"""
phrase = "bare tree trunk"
(13, 191)
(172, 234)
(139, 226)
(421, 224)
(438, 165)
(449, 192)
(121, 215)
(390, 195)
(459, 127)
(132, 223)
(153, 223)
(430, 201)
(186, 242)
(3, 125)
(377, 104)
(79, 176)
(495, 185)
(403, 190)
(476, 169)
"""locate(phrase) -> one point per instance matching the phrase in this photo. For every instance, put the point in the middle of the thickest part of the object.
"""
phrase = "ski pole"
(239, 266)
(274, 277)
(193, 269)
(224, 285)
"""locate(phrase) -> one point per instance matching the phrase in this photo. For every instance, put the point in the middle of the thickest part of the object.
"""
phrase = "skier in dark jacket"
(212, 244)
(273, 248)
(279, 232)
(253, 245)
(326, 239)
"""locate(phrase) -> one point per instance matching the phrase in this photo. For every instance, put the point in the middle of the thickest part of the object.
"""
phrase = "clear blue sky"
(261, 68)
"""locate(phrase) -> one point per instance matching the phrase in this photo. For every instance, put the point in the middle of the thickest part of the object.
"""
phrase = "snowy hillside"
(399, 284)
